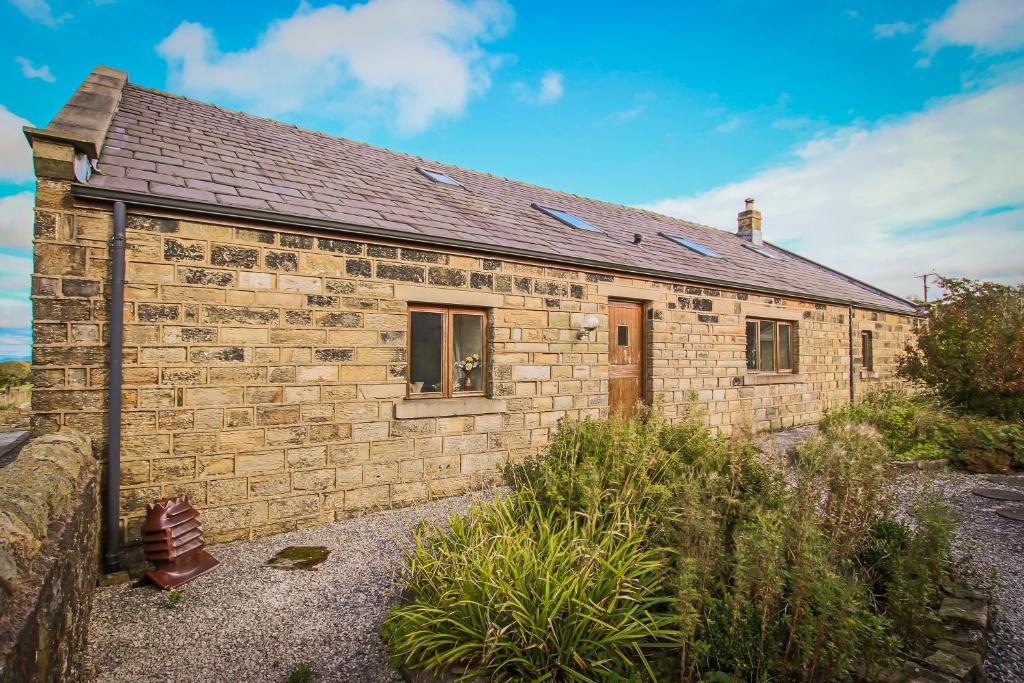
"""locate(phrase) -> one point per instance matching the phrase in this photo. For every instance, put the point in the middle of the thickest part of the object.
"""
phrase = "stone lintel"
(448, 297)
(626, 292)
(770, 312)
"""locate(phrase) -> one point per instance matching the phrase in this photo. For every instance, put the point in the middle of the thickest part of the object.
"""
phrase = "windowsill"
(758, 378)
(869, 374)
(449, 407)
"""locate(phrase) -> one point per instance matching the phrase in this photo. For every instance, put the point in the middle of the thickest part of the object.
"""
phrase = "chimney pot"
(749, 223)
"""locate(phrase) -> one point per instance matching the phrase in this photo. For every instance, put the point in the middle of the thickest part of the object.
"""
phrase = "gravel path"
(994, 544)
(246, 622)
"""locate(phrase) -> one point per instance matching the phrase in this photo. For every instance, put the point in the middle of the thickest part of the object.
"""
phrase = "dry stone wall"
(49, 523)
(265, 366)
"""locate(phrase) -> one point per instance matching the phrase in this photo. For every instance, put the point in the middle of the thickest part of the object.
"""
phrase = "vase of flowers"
(466, 366)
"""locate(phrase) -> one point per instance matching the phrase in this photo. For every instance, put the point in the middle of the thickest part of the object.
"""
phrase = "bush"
(971, 351)
(513, 592)
(630, 537)
(921, 427)
(911, 424)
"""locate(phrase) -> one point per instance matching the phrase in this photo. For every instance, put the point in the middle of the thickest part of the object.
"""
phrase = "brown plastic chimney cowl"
(172, 537)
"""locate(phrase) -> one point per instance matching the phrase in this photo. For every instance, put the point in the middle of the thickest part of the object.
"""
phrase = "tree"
(14, 373)
(971, 351)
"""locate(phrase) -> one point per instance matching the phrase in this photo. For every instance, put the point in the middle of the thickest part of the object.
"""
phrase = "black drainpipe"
(852, 391)
(112, 557)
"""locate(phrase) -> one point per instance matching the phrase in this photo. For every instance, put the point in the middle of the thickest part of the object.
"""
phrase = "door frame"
(645, 393)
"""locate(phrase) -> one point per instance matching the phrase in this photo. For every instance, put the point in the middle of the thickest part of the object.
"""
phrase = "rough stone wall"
(265, 367)
(891, 333)
(49, 523)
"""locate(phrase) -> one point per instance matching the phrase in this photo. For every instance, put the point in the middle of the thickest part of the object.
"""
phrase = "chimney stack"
(749, 222)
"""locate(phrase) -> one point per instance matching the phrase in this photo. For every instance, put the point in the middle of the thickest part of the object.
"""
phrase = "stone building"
(314, 326)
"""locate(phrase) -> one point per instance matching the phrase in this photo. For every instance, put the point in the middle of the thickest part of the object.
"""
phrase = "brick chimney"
(749, 222)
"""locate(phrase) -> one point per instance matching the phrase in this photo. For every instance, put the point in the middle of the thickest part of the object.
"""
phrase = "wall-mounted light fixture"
(590, 324)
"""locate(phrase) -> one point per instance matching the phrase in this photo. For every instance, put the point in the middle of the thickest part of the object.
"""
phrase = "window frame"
(447, 344)
(867, 350)
(793, 346)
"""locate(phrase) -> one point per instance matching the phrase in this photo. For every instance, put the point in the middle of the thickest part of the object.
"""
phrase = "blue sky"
(881, 138)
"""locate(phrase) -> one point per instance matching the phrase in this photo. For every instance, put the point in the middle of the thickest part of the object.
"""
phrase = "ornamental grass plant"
(650, 550)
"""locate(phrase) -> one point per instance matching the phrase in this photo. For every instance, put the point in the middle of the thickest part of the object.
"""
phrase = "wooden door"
(625, 356)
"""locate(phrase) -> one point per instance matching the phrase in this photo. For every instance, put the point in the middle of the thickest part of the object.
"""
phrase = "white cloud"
(420, 60)
(15, 277)
(896, 28)
(15, 313)
(39, 11)
(16, 215)
(15, 154)
(909, 194)
(30, 70)
(731, 124)
(989, 26)
(549, 90)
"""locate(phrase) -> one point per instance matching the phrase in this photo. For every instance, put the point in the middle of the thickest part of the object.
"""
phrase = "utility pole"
(924, 283)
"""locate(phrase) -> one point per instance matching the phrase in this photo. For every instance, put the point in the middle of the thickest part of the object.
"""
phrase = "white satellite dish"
(83, 168)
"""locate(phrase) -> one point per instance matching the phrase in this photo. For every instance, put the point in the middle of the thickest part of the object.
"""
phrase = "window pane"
(623, 334)
(767, 346)
(751, 346)
(784, 348)
(425, 344)
(866, 351)
(467, 352)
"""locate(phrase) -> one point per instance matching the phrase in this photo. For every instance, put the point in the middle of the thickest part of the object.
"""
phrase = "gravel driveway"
(993, 543)
(246, 622)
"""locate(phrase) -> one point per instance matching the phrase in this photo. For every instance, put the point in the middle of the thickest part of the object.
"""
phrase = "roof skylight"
(569, 219)
(691, 245)
(438, 176)
(763, 251)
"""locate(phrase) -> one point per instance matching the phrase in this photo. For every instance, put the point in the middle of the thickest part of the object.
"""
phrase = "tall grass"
(682, 552)
(513, 592)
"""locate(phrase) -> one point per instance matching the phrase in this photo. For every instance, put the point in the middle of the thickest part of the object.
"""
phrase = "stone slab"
(1000, 494)
(1014, 512)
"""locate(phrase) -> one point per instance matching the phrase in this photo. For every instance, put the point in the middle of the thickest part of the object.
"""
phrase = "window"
(447, 351)
(769, 346)
(691, 245)
(622, 332)
(438, 176)
(867, 350)
(763, 251)
(567, 218)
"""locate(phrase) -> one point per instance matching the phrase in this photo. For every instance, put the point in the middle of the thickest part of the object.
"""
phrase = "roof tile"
(159, 142)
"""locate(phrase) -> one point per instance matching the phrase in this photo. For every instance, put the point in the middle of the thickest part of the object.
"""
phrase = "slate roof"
(170, 146)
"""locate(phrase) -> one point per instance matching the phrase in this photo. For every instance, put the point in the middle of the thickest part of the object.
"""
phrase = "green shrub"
(984, 445)
(809, 580)
(513, 592)
(907, 422)
(971, 351)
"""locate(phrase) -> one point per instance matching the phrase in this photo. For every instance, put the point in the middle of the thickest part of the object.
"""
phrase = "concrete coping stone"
(449, 407)
(85, 119)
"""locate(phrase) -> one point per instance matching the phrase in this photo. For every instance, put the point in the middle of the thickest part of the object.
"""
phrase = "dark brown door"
(625, 356)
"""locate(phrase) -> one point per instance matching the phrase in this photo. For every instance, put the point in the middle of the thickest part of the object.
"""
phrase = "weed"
(174, 598)
(300, 674)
